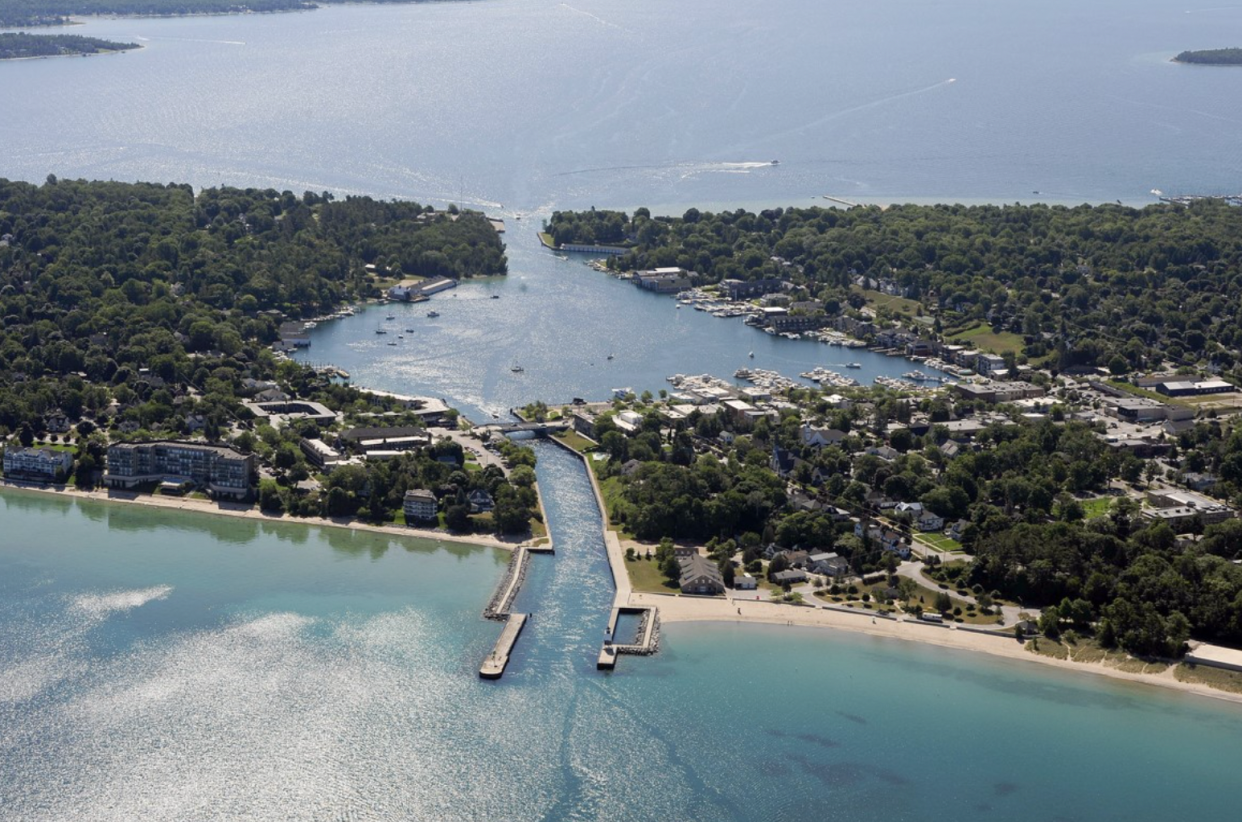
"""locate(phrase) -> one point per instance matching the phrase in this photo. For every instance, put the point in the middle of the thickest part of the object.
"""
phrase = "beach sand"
(243, 510)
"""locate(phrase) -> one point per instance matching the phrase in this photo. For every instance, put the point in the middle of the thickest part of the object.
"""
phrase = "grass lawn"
(877, 299)
(574, 440)
(1096, 507)
(546, 239)
(940, 542)
(645, 576)
(610, 490)
(982, 337)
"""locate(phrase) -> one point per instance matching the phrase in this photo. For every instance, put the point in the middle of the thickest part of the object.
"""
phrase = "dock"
(646, 639)
(494, 666)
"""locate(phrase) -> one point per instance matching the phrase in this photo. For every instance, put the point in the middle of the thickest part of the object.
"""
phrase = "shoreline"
(243, 511)
(678, 608)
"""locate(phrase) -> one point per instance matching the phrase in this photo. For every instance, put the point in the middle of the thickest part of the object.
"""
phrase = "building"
(744, 289)
(480, 501)
(664, 280)
(745, 583)
(699, 575)
(997, 392)
(990, 365)
(419, 505)
(1179, 506)
(318, 452)
(219, 470)
(1195, 389)
(279, 412)
(829, 563)
(37, 464)
(791, 577)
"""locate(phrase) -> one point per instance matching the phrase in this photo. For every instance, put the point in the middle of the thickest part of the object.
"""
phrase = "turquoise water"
(165, 665)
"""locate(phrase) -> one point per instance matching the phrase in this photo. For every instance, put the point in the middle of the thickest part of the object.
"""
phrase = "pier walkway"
(494, 666)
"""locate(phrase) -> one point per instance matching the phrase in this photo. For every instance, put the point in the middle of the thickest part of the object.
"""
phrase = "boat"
(380, 331)
(311, 325)
(853, 365)
(776, 162)
(752, 355)
(610, 356)
(517, 369)
(409, 330)
(433, 313)
(390, 317)
(495, 296)
(392, 342)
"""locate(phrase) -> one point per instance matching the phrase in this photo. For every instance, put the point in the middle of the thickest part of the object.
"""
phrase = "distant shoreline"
(196, 506)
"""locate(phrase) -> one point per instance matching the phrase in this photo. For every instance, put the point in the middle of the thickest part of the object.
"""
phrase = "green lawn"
(940, 542)
(574, 440)
(645, 576)
(880, 300)
(1097, 507)
(982, 337)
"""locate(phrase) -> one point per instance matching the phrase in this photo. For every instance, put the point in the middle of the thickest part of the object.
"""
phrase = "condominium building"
(221, 471)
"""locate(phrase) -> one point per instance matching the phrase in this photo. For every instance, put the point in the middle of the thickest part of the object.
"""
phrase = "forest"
(1126, 288)
(148, 309)
(1211, 57)
(18, 45)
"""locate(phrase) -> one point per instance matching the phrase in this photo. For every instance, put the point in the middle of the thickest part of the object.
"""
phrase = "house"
(958, 528)
(1196, 481)
(699, 575)
(791, 577)
(884, 452)
(913, 509)
(820, 437)
(796, 559)
(783, 462)
(480, 501)
(745, 583)
(37, 464)
(419, 505)
(57, 423)
(927, 522)
(681, 552)
(828, 563)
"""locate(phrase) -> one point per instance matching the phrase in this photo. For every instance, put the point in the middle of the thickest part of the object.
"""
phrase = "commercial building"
(699, 575)
(37, 464)
(1195, 389)
(221, 471)
(1177, 506)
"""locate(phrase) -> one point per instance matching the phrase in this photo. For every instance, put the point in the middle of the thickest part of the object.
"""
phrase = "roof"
(697, 565)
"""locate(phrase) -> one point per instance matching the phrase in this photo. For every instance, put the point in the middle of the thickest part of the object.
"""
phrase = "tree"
(944, 603)
(457, 518)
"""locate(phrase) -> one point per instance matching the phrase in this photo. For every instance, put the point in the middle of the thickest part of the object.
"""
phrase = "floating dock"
(494, 666)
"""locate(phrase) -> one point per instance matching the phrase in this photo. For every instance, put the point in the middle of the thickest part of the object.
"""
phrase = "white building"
(419, 505)
(37, 464)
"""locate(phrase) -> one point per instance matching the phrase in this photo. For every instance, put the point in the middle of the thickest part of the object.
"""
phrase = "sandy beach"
(233, 509)
(676, 608)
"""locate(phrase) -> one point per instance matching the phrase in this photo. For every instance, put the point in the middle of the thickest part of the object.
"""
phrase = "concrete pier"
(494, 666)
(646, 642)
(502, 600)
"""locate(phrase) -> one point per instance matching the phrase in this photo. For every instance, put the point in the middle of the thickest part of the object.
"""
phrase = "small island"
(20, 45)
(1211, 57)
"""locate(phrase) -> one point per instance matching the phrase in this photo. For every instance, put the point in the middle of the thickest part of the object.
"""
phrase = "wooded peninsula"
(57, 12)
(1211, 57)
(20, 45)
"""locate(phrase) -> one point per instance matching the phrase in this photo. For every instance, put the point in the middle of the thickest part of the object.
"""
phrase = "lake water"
(171, 666)
(163, 665)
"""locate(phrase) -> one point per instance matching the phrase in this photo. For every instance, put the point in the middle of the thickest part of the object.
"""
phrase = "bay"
(163, 665)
